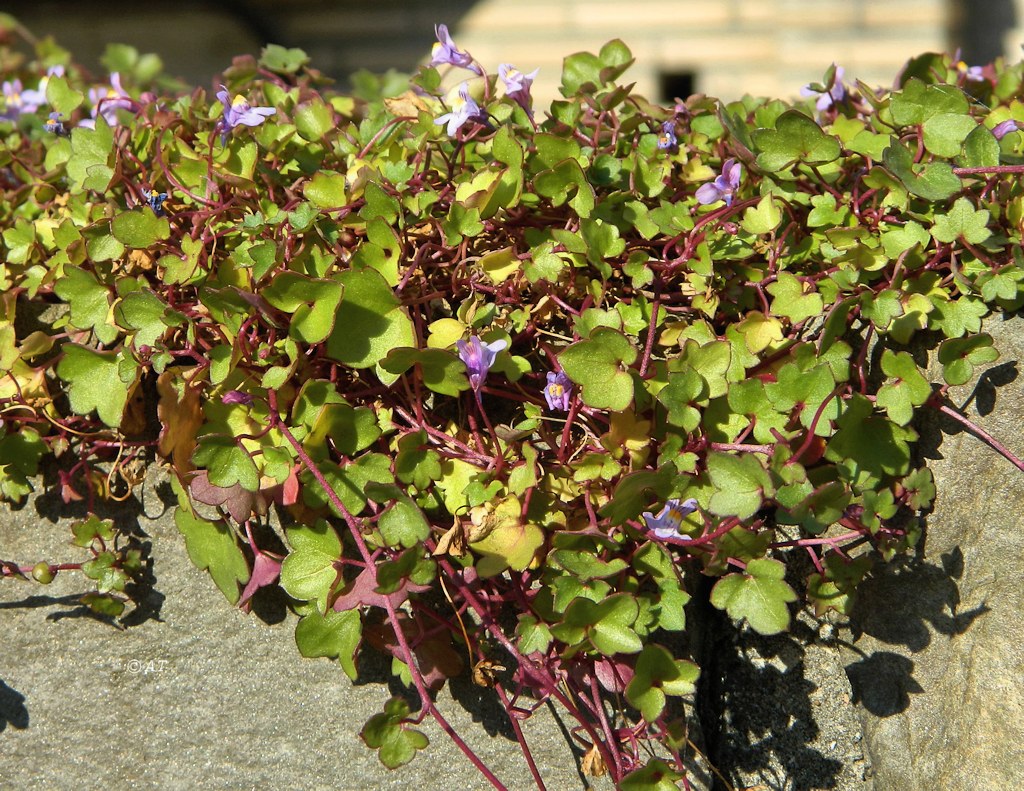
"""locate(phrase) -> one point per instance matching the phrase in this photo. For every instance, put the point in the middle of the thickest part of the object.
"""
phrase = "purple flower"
(479, 357)
(668, 522)
(667, 140)
(517, 85)
(108, 101)
(55, 125)
(236, 397)
(834, 93)
(558, 392)
(1004, 128)
(445, 52)
(972, 73)
(723, 187)
(18, 101)
(155, 201)
(463, 109)
(238, 112)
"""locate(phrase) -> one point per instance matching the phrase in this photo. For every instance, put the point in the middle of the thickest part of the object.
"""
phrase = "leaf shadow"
(756, 708)
(13, 711)
(896, 606)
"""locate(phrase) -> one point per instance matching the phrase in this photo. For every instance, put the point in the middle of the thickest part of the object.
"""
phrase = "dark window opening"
(676, 84)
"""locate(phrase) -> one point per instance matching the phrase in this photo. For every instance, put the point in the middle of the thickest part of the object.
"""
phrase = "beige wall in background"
(731, 47)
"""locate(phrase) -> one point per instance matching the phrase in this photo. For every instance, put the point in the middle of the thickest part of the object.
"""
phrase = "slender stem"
(521, 738)
(978, 431)
(403, 644)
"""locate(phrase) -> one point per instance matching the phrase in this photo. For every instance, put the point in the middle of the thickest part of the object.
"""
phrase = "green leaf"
(945, 133)
(934, 181)
(635, 490)
(758, 595)
(962, 221)
(918, 102)
(283, 60)
(763, 218)
(956, 317)
(440, 370)
(416, 462)
(565, 179)
(213, 547)
(313, 304)
(334, 634)
(532, 635)
(313, 120)
(326, 190)
(959, 356)
(607, 625)
(89, 167)
(96, 380)
(369, 323)
(395, 743)
(655, 775)
(869, 446)
(658, 674)
(903, 238)
(599, 365)
(349, 483)
(741, 484)
(795, 299)
(62, 97)
(795, 138)
(89, 301)
(227, 462)
(139, 228)
(403, 524)
(144, 315)
(310, 570)
(909, 390)
(20, 453)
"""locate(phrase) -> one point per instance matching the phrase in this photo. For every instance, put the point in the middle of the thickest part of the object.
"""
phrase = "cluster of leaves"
(290, 315)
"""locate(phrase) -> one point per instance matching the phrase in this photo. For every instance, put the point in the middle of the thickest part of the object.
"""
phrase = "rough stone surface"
(201, 695)
(197, 694)
(777, 709)
(937, 652)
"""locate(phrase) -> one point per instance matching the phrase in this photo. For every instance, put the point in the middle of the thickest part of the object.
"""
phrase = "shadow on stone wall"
(12, 708)
(762, 723)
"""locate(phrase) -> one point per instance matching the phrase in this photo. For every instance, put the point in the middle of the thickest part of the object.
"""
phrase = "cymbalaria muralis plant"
(487, 391)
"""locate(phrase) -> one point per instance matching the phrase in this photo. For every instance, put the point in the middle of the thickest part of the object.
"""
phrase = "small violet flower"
(669, 520)
(18, 101)
(155, 200)
(831, 97)
(238, 112)
(236, 397)
(479, 357)
(723, 187)
(445, 52)
(517, 85)
(463, 109)
(558, 391)
(971, 73)
(667, 140)
(107, 102)
(1004, 128)
(55, 125)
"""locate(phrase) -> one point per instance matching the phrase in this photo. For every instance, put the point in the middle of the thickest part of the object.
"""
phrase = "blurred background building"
(723, 48)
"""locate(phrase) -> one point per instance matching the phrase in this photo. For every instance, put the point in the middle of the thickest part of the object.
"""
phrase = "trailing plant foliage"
(509, 385)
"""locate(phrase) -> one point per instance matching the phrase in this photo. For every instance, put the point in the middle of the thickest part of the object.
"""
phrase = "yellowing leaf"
(500, 265)
(759, 331)
(508, 543)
